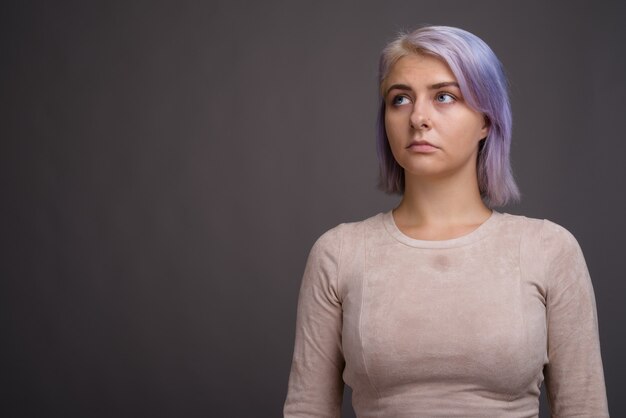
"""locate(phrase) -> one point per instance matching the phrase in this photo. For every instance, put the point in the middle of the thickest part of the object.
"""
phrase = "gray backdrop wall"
(167, 166)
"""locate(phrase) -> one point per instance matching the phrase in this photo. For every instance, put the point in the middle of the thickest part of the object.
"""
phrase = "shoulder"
(541, 232)
(541, 241)
(556, 237)
(551, 250)
(343, 241)
(346, 232)
(563, 255)
(333, 246)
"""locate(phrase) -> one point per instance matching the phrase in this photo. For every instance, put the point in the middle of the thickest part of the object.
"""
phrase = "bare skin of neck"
(440, 208)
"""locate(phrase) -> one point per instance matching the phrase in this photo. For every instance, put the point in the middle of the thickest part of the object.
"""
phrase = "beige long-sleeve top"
(464, 327)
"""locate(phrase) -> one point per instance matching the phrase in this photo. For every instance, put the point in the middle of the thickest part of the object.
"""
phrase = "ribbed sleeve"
(574, 374)
(315, 382)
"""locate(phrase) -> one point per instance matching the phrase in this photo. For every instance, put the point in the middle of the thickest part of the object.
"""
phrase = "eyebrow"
(431, 87)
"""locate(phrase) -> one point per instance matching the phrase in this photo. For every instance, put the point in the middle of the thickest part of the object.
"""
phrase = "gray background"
(166, 167)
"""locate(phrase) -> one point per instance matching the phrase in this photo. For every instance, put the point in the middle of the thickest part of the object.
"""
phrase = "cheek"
(471, 129)
(394, 126)
(480, 125)
(396, 145)
(388, 123)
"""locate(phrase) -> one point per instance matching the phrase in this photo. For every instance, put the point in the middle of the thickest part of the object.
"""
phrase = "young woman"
(444, 306)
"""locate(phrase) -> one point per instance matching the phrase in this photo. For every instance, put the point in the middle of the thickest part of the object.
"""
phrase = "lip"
(422, 147)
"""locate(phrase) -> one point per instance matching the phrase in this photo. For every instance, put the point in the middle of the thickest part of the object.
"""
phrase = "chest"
(440, 315)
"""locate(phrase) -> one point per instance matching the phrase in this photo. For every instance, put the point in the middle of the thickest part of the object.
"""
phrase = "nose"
(420, 116)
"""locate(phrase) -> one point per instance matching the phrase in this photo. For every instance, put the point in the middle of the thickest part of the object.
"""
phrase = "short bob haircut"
(484, 86)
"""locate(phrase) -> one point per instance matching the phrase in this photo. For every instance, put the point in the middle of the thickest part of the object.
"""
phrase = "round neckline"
(477, 234)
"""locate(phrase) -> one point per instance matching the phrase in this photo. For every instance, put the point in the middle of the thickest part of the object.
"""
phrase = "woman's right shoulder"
(340, 251)
(347, 231)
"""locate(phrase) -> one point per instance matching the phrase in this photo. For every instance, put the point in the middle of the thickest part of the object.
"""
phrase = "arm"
(574, 374)
(315, 382)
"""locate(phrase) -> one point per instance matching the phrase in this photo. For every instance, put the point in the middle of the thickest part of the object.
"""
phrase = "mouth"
(422, 146)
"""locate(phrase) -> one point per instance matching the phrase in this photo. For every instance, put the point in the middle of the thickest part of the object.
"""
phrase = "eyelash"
(394, 101)
(451, 96)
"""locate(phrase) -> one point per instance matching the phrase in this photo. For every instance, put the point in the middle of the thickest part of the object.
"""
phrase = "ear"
(484, 131)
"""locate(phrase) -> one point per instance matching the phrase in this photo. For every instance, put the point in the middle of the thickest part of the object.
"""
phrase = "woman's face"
(432, 131)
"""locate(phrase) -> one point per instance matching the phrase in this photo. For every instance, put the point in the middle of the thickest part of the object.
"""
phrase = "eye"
(400, 100)
(445, 98)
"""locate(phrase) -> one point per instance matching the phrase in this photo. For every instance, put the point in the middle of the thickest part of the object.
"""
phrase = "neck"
(444, 201)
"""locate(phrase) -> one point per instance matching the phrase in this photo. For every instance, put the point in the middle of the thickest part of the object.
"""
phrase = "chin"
(425, 170)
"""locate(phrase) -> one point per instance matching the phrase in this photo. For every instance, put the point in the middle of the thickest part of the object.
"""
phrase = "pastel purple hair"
(484, 86)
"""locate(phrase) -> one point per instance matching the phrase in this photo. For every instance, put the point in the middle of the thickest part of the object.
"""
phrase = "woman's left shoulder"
(549, 235)
(545, 227)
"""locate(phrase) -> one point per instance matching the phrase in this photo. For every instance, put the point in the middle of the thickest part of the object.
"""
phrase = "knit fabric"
(466, 327)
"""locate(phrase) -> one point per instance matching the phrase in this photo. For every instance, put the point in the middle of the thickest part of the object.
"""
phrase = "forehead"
(419, 68)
